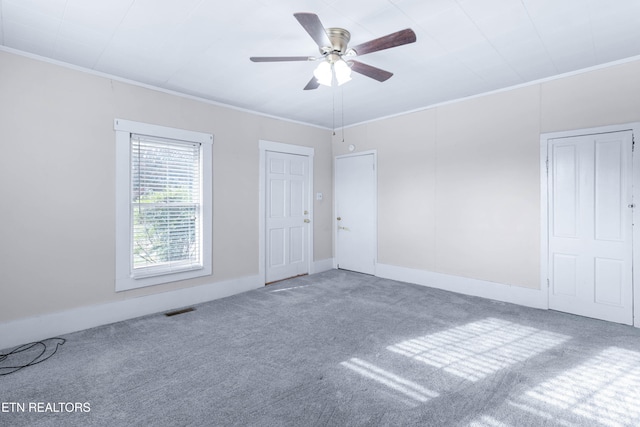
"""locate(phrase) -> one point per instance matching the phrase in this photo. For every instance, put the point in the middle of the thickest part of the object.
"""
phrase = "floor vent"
(181, 311)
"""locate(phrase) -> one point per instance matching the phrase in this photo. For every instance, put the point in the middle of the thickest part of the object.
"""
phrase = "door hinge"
(547, 164)
(548, 283)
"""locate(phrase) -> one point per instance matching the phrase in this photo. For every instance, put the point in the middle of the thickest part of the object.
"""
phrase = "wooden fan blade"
(281, 58)
(313, 84)
(385, 42)
(311, 23)
(370, 71)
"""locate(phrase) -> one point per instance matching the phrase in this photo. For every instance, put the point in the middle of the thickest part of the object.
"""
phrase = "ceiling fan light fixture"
(342, 71)
(323, 73)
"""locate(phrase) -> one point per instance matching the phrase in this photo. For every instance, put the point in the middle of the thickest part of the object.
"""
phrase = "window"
(163, 204)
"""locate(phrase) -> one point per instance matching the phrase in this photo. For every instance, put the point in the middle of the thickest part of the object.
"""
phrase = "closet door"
(590, 226)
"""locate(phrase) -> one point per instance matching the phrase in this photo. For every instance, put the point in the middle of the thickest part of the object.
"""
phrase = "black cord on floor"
(26, 347)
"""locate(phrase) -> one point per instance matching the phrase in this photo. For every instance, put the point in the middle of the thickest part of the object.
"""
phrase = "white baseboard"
(21, 331)
(528, 297)
(323, 265)
(36, 328)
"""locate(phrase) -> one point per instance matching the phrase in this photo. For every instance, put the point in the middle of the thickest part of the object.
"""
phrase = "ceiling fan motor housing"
(339, 38)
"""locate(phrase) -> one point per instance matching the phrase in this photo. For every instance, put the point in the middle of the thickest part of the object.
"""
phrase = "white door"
(356, 213)
(287, 215)
(590, 225)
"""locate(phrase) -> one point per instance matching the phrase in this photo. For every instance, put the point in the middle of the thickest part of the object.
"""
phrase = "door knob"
(307, 220)
(338, 218)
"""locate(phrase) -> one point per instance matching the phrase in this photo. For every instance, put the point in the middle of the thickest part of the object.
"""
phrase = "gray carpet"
(338, 349)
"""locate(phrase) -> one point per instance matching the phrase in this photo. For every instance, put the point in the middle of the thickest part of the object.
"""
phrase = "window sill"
(129, 282)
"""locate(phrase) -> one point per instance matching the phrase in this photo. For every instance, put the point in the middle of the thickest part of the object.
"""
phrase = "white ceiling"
(202, 47)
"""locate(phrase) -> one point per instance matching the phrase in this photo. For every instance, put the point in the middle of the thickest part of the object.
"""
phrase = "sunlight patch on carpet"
(605, 389)
(487, 421)
(479, 349)
(395, 382)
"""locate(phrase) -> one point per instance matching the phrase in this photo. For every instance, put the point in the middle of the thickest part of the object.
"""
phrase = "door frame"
(375, 201)
(544, 207)
(280, 147)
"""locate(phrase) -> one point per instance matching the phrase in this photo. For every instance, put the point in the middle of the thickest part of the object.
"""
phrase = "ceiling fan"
(337, 62)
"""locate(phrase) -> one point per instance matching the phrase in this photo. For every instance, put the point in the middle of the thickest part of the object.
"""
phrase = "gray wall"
(57, 183)
(459, 184)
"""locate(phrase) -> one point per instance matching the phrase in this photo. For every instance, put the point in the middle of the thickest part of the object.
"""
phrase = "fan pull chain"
(333, 111)
(342, 93)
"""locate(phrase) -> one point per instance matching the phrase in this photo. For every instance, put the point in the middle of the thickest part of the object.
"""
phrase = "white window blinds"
(166, 203)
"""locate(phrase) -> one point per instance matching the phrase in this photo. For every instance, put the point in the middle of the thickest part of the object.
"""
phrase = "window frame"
(124, 278)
